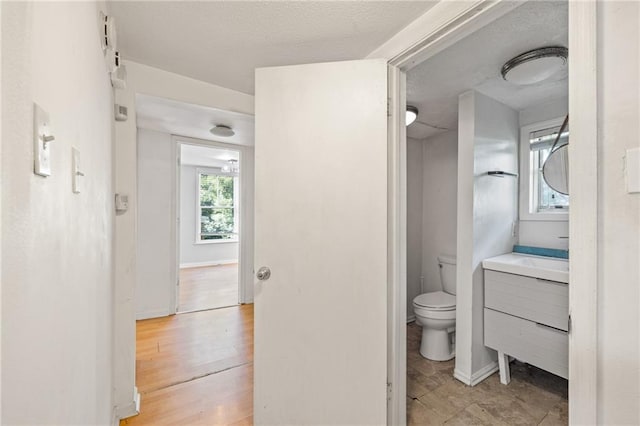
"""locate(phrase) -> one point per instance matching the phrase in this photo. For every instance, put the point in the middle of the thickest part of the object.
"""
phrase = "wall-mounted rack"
(501, 174)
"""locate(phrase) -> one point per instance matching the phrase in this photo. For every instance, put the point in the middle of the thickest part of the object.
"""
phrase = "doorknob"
(263, 273)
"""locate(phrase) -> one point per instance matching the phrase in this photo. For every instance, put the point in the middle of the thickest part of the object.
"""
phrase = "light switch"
(632, 170)
(75, 170)
(42, 139)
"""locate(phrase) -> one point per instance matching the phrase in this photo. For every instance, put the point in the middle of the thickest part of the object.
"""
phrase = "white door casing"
(246, 237)
(321, 227)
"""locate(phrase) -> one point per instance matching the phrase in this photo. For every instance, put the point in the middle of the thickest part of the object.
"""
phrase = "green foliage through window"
(217, 207)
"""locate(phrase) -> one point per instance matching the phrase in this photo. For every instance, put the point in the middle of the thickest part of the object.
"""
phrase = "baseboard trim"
(478, 376)
(457, 374)
(483, 373)
(156, 313)
(209, 263)
(129, 410)
(412, 318)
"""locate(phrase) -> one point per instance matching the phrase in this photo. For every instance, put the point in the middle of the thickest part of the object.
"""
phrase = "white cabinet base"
(536, 344)
(505, 372)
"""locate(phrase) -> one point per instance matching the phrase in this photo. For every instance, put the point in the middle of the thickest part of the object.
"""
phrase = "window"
(538, 201)
(217, 207)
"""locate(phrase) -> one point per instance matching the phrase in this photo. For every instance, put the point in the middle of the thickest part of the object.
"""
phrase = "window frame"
(527, 204)
(235, 206)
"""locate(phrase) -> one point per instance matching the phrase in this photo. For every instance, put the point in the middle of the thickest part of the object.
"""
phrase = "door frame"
(442, 26)
(245, 237)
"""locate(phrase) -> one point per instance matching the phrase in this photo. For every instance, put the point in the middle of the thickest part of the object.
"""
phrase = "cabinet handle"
(542, 280)
(539, 324)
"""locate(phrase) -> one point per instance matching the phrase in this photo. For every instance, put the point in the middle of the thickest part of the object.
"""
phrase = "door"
(321, 229)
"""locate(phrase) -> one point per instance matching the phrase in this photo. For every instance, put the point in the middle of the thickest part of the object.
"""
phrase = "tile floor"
(434, 397)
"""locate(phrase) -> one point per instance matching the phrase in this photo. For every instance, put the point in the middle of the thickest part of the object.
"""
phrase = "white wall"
(192, 254)
(440, 163)
(1, 211)
(156, 256)
(555, 108)
(56, 245)
(414, 222)
(544, 233)
(619, 215)
(150, 81)
(488, 133)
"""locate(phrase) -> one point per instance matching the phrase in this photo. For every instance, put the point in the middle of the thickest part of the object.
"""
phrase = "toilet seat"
(437, 300)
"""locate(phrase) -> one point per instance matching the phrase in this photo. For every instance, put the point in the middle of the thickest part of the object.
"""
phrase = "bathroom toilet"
(436, 313)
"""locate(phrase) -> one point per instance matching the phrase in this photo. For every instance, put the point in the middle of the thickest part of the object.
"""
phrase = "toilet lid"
(436, 300)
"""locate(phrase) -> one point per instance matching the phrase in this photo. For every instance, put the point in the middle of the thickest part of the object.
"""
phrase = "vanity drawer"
(541, 301)
(536, 344)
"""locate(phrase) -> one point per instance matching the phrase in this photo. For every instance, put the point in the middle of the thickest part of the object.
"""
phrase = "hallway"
(196, 368)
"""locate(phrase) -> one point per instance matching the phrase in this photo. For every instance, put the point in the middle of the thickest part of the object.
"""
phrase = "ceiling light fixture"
(412, 114)
(231, 166)
(535, 65)
(222, 131)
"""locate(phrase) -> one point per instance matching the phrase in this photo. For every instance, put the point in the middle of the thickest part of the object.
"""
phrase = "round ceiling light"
(535, 65)
(411, 115)
(222, 131)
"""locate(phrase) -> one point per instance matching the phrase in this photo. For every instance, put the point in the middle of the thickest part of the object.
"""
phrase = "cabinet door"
(537, 344)
(541, 301)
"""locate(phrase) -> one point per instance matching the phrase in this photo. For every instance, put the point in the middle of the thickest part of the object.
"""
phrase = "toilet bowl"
(436, 313)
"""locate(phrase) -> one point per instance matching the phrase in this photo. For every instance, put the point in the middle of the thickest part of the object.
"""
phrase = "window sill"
(205, 242)
(545, 217)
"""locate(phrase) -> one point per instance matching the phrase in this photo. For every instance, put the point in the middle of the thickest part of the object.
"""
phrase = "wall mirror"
(556, 170)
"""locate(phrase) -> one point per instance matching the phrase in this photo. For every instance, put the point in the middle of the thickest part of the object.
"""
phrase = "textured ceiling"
(475, 63)
(222, 42)
(178, 118)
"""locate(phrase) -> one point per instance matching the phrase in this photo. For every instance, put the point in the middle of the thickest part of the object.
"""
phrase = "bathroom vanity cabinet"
(527, 318)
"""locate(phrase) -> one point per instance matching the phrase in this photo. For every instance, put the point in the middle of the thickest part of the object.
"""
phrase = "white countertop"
(546, 268)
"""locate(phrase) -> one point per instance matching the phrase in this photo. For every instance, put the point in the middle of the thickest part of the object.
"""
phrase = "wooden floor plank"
(208, 287)
(196, 368)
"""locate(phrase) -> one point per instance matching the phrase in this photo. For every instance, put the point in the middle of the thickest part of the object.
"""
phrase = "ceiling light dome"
(411, 115)
(535, 65)
(222, 130)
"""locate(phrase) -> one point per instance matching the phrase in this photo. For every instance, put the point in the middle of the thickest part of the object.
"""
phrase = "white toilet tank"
(448, 273)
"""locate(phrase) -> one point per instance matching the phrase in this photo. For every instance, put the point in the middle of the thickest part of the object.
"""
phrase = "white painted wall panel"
(57, 255)
(414, 221)
(156, 258)
(545, 233)
(487, 208)
(619, 230)
(546, 111)
(440, 162)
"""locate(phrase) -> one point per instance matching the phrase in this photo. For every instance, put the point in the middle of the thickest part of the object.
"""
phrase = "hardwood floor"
(196, 368)
(208, 287)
